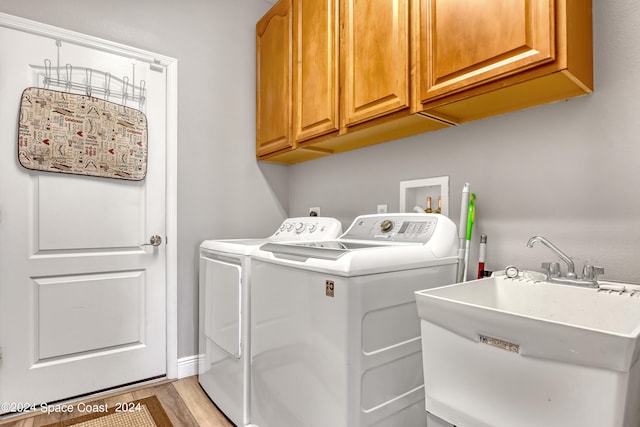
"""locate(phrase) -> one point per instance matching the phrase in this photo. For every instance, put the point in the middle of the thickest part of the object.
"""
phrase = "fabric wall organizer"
(79, 134)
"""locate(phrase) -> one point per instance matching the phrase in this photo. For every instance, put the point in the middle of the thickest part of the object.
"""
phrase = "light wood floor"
(183, 400)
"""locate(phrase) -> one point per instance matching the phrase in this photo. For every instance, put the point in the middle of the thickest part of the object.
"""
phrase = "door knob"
(155, 240)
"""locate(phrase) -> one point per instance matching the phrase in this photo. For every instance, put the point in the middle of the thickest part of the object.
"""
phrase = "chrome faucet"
(571, 268)
(589, 272)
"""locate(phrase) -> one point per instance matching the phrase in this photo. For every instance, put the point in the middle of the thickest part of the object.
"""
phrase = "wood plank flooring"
(183, 400)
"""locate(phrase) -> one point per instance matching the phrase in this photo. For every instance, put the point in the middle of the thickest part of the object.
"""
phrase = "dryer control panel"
(414, 228)
(307, 228)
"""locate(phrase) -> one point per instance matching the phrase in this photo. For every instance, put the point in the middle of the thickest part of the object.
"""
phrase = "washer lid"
(328, 249)
(305, 251)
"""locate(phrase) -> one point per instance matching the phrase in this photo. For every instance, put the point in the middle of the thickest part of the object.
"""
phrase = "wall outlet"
(314, 211)
(382, 209)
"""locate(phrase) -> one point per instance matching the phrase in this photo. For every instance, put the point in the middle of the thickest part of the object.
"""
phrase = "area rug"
(145, 412)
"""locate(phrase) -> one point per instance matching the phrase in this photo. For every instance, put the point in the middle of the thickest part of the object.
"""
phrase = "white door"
(82, 304)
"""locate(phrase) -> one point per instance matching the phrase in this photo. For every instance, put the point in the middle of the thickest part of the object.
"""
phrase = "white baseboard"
(188, 366)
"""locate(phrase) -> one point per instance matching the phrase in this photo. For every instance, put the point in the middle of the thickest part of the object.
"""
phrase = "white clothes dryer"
(225, 296)
(334, 324)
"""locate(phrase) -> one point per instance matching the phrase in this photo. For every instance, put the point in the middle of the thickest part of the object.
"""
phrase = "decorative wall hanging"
(79, 134)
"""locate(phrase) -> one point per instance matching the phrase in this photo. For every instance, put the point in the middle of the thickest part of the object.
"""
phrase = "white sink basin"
(562, 322)
(522, 342)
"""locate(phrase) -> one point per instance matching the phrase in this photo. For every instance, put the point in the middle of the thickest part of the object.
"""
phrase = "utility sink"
(523, 352)
(560, 322)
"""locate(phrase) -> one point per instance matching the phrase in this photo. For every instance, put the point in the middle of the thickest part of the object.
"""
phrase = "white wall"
(569, 171)
(222, 191)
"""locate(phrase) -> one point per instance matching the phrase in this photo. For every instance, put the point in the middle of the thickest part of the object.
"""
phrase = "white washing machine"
(225, 273)
(334, 325)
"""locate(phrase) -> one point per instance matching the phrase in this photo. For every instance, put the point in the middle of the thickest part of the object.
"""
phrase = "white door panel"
(88, 313)
(82, 304)
(94, 213)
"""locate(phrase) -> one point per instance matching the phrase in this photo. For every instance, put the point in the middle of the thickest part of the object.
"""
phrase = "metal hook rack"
(96, 83)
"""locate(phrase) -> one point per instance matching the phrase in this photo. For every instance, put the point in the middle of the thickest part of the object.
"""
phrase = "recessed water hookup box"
(415, 193)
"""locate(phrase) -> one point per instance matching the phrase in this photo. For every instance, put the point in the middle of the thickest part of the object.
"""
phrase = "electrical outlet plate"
(415, 192)
(315, 211)
(382, 209)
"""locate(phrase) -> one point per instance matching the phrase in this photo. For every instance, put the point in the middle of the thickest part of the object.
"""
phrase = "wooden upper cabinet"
(274, 79)
(336, 75)
(464, 43)
(315, 68)
(375, 58)
(476, 59)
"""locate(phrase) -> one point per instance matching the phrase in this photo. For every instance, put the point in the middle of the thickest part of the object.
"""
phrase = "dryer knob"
(300, 227)
(311, 228)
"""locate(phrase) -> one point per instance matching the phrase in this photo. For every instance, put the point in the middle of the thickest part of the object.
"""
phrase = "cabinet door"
(375, 55)
(464, 43)
(273, 79)
(315, 69)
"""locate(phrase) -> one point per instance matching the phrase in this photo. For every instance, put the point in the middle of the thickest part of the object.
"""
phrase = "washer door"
(223, 284)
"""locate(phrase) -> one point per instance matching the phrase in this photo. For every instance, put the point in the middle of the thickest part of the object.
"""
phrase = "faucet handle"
(591, 272)
(552, 269)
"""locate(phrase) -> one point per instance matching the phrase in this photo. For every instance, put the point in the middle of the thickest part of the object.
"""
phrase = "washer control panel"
(308, 228)
(393, 227)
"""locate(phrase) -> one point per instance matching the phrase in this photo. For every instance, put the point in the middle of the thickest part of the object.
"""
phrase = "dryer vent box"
(414, 194)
